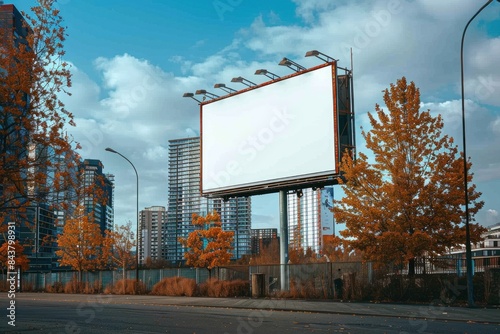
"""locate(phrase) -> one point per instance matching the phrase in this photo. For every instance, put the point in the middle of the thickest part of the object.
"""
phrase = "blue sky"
(133, 60)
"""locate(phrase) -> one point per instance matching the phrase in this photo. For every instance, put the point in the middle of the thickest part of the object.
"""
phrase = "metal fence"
(38, 281)
(319, 276)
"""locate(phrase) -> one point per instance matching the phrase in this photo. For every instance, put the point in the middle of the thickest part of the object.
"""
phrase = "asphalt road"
(104, 314)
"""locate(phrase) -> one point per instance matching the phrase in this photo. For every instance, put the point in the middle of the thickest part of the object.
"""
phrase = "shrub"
(126, 287)
(175, 286)
(217, 288)
(74, 286)
(57, 287)
(28, 287)
(305, 289)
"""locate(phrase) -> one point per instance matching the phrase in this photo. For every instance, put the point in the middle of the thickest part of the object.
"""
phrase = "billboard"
(327, 224)
(278, 135)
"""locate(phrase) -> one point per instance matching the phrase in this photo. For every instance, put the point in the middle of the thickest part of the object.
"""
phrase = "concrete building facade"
(151, 236)
(100, 210)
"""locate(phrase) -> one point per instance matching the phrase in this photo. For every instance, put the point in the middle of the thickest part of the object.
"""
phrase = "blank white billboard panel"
(276, 132)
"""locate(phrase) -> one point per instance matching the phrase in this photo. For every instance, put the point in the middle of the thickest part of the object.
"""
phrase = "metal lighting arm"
(137, 213)
(468, 251)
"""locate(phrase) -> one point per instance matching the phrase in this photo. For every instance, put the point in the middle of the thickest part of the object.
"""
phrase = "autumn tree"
(300, 255)
(35, 152)
(20, 259)
(409, 202)
(118, 246)
(81, 244)
(269, 252)
(209, 245)
(337, 249)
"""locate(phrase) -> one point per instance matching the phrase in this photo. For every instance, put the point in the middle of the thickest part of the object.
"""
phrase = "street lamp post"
(468, 251)
(137, 214)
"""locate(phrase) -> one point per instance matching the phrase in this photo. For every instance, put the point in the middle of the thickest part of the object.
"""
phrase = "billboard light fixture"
(320, 55)
(207, 94)
(268, 74)
(191, 95)
(225, 88)
(243, 81)
(291, 64)
(314, 114)
(299, 193)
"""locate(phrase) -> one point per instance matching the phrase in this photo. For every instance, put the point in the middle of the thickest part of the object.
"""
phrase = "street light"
(137, 232)
(268, 74)
(206, 94)
(320, 55)
(191, 95)
(243, 81)
(291, 64)
(225, 88)
(468, 251)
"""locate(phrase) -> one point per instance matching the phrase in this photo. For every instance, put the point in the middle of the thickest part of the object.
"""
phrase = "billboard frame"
(341, 142)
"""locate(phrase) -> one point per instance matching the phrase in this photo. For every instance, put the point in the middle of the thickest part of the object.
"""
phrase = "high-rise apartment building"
(151, 227)
(235, 216)
(38, 236)
(263, 237)
(14, 139)
(310, 219)
(13, 24)
(99, 202)
(184, 199)
(65, 200)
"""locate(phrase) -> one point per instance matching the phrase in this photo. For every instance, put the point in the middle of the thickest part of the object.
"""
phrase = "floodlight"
(320, 55)
(291, 64)
(243, 81)
(267, 74)
(225, 88)
(191, 95)
(207, 94)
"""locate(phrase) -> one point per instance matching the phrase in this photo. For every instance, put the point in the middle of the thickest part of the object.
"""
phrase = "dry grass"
(303, 290)
(74, 286)
(217, 288)
(57, 287)
(175, 286)
(126, 287)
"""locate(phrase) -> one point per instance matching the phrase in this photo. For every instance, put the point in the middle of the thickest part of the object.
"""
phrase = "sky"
(133, 60)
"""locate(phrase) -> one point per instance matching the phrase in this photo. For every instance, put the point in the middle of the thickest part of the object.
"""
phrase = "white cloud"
(495, 125)
(493, 217)
(158, 153)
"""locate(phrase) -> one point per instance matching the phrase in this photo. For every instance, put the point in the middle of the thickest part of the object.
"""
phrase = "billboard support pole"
(283, 240)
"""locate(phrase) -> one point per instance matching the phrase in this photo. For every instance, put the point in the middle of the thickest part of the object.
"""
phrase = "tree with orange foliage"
(209, 245)
(336, 249)
(20, 259)
(81, 245)
(118, 246)
(301, 256)
(409, 202)
(269, 253)
(35, 153)
(12, 245)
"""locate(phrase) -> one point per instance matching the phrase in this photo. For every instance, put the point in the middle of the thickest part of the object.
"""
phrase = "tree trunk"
(411, 267)
(124, 280)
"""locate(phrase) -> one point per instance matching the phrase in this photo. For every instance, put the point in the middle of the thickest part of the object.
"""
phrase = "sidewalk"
(463, 314)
